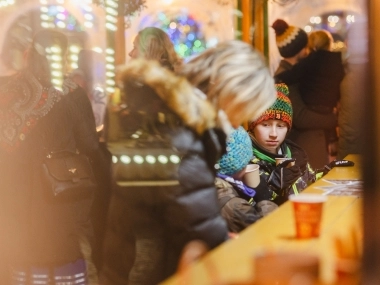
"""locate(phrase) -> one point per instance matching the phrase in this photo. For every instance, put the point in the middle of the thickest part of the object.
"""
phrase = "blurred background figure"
(308, 130)
(90, 75)
(319, 76)
(149, 228)
(351, 131)
(42, 236)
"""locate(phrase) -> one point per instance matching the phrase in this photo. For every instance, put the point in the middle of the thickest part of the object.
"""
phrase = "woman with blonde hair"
(149, 226)
(154, 44)
(231, 75)
(320, 40)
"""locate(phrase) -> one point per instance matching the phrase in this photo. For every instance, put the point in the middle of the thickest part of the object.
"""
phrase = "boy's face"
(270, 134)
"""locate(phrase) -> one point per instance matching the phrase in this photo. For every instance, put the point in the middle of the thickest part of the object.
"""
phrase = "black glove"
(283, 177)
(266, 166)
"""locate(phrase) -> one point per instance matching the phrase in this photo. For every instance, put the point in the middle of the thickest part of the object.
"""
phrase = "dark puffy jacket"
(267, 163)
(41, 230)
(149, 226)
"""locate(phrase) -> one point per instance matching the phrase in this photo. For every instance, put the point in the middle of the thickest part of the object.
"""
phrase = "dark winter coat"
(308, 126)
(319, 76)
(149, 226)
(37, 228)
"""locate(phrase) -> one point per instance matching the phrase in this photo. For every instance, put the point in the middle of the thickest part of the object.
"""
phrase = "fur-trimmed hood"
(178, 94)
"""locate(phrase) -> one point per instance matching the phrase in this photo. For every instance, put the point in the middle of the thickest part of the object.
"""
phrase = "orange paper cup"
(308, 214)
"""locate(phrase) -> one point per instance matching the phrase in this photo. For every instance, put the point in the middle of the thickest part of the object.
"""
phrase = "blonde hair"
(320, 40)
(235, 76)
(155, 44)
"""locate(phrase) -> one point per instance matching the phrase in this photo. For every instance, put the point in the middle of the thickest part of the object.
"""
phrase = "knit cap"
(239, 152)
(280, 110)
(290, 40)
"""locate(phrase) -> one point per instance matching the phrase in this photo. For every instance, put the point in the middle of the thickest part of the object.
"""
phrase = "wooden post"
(120, 47)
(260, 12)
(371, 146)
(247, 20)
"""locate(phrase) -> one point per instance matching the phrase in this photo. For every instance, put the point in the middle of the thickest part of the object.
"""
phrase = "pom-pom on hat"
(239, 152)
(280, 110)
(290, 40)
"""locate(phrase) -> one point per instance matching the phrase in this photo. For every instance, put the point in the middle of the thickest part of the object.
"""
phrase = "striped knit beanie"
(280, 110)
(290, 40)
(239, 152)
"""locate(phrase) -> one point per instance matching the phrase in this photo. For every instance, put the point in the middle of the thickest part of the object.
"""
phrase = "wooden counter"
(233, 261)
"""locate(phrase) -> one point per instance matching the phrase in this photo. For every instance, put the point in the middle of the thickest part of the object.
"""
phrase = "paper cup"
(282, 159)
(308, 214)
(251, 177)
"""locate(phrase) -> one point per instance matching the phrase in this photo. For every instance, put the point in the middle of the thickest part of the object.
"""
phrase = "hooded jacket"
(149, 226)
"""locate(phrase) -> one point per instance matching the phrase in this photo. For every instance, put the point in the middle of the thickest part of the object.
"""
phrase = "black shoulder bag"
(68, 174)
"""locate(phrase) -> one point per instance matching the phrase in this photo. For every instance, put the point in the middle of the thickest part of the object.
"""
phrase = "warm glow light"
(125, 159)
(308, 29)
(174, 159)
(74, 49)
(162, 159)
(150, 159)
(88, 24)
(138, 159)
(97, 49)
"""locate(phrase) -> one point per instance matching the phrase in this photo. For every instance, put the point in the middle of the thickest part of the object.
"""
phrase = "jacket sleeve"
(192, 210)
(237, 212)
(86, 138)
(295, 74)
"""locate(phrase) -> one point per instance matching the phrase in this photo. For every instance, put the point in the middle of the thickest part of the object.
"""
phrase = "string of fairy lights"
(111, 8)
(336, 23)
(185, 32)
(5, 3)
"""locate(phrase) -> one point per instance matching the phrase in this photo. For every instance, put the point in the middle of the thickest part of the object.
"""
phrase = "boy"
(268, 134)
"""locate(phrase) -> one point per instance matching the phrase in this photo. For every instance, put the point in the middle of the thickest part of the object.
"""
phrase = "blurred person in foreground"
(308, 130)
(218, 90)
(42, 235)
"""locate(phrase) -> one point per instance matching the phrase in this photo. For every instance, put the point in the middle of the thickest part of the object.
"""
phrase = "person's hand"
(282, 177)
(265, 166)
(69, 85)
(232, 235)
(333, 148)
